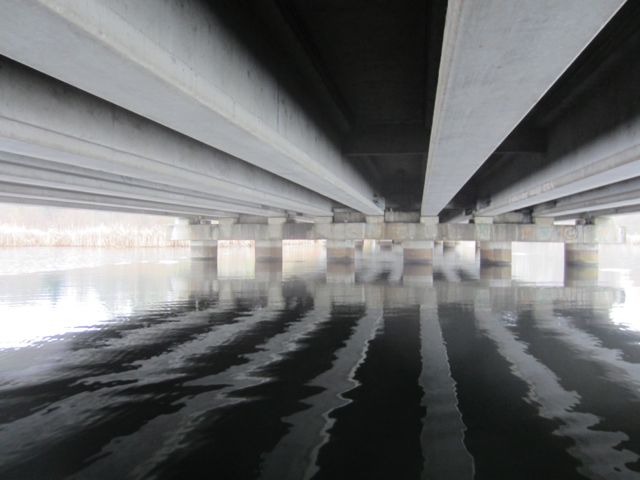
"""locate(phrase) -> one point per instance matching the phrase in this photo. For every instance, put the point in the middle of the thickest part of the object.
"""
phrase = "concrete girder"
(498, 59)
(84, 206)
(43, 118)
(133, 53)
(22, 170)
(44, 196)
(623, 194)
(594, 144)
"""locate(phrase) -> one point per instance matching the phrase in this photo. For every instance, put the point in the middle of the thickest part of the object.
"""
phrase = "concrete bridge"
(415, 121)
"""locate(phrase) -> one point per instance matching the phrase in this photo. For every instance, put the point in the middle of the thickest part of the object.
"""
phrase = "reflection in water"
(151, 366)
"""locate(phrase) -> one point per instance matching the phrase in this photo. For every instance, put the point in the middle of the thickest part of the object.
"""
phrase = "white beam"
(43, 118)
(23, 170)
(499, 57)
(623, 194)
(178, 64)
(59, 197)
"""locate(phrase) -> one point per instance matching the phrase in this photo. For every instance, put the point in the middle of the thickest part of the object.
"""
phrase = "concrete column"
(417, 251)
(415, 274)
(496, 275)
(385, 244)
(581, 254)
(203, 249)
(580, 275)
(495, 253)
(448, 245)
(268, 250)
(340, 251)
(341, 272)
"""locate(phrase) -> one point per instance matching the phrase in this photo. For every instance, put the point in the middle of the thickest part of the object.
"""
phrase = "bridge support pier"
(203, 249)
(340, 251)
(268, 250)
(495, 253)
(417, 251)
(581, 254)
(416, 274)
(448, 245)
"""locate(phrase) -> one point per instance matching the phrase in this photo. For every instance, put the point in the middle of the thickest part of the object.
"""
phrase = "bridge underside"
(373, 115)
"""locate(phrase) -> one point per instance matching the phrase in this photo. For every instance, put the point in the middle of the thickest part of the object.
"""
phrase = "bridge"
(416, 121)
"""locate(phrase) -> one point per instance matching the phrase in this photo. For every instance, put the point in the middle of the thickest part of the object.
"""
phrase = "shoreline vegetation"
(30, 226)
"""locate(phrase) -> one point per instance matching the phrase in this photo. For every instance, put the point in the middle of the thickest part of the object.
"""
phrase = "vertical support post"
(268, 250)
(203, 249)
(448, 245)
(581, 254)
(341, 251)
(495, 253)
(417, 251)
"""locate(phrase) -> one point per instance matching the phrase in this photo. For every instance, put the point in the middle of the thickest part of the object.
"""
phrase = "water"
(142, 364)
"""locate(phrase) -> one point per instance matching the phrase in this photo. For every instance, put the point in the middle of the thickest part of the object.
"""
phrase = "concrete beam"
(84, 206)
(498, 59)
(133, 53)
(623, 194)
(593, 144)
(18, 169)
(43, 118)
(44, 196)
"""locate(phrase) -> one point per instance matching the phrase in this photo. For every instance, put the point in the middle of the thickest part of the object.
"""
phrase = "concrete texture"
(622, 194)
(30, 173)
(43, 118)
(212, 88)
(203, 249)
(399, 232)
(268, 250)
(417, 252)
(495, 253)
(581, 254)
(499, 57)
(594, 143)
(340, 251)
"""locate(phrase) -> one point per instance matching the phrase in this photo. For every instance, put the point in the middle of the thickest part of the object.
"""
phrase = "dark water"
(142, 364)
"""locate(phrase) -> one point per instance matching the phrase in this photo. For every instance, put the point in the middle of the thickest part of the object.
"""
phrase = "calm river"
(136, 364)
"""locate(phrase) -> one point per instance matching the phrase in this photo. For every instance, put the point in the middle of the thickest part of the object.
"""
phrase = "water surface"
(143, 364)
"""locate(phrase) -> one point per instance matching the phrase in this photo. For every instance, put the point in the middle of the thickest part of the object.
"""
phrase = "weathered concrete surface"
(43, 118)
(581, 254)
(417, 251)
(340, 251)
(16, 193)
(268, 250)
(133, 53)
(498, 58)
(32, 174)
(593, 144)
(495, 253)
(203, 249)
(623, 194)
(404, 232)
